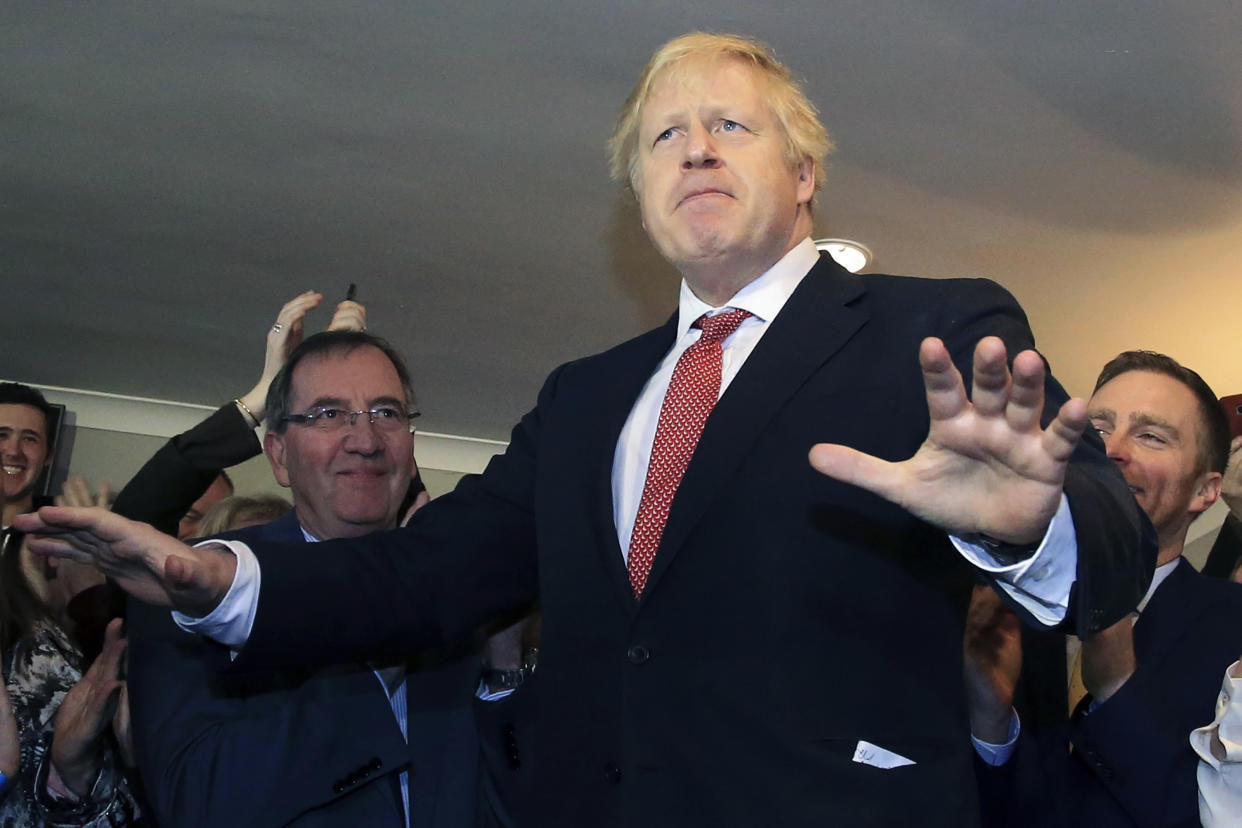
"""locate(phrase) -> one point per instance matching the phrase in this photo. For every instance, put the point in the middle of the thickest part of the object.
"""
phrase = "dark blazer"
(185, 467)
(1134, 764)
(787, 616)
(298, 747)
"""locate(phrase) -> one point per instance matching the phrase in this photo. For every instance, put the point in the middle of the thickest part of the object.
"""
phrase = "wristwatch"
(511, 679)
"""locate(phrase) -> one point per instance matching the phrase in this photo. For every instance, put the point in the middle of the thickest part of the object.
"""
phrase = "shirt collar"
(763, 298)
(1163, 571)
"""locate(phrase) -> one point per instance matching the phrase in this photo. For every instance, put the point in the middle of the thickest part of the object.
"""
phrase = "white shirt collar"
(1163, 571)
(764, 297)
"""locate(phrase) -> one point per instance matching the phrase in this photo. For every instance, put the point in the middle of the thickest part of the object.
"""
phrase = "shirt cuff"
(484, 693)
(997, 755)
(231, 621)
(1041, 583)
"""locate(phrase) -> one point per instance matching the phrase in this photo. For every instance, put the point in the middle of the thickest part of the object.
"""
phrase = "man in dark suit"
(730, 635)
(1153, 679)
(325, 747)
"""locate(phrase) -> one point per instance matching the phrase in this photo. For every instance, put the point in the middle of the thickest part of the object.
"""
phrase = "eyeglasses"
(384, 418)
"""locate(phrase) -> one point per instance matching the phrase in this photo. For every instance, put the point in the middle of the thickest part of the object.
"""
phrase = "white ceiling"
(171, 172)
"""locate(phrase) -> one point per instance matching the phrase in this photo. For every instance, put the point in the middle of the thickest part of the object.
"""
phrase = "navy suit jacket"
(1132, 764)
(787, 616)
(298, 747)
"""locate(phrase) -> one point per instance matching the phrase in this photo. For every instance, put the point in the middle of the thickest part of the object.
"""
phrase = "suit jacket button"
(375, 763)
(612, 773)
(338, 786)
(638, 654)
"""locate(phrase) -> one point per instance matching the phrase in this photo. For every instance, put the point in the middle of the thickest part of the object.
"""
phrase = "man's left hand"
(986, 466)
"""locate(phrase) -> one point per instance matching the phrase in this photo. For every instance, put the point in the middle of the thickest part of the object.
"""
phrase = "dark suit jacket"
(1132, 763)
(787, 616)
(185, 467)
(296, 747)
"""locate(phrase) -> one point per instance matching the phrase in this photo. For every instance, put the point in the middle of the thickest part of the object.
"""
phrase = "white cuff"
(485, 693)
(1041, 583)
(996, 755)
(230, 622)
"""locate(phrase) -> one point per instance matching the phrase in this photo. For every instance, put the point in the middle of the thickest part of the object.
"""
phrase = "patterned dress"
(37, 681)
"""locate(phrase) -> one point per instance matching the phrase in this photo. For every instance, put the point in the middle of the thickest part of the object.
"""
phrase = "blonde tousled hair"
(805, 136)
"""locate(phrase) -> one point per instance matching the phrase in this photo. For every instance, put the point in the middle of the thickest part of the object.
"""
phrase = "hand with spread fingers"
(146, 563)
(986, 466)
(77, 492)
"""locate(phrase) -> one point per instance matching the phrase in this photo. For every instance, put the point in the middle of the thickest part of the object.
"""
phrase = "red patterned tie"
(691, 396)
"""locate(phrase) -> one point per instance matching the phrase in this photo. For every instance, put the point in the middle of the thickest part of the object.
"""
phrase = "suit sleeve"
(259, 750)
(1116, 543)
(1140, 754)
(465, 558)
(185, 467)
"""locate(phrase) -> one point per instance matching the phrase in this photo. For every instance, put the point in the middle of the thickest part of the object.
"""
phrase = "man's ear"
(806, 180)
(274, 448)
(1206, 493)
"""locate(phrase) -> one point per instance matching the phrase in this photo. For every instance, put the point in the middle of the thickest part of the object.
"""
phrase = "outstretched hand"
(986, 465)
(146, 563)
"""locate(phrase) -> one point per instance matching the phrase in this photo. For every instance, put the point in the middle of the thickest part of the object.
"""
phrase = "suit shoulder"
(927, 288)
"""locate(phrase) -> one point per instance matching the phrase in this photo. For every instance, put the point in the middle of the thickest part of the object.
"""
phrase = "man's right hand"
(146, 563)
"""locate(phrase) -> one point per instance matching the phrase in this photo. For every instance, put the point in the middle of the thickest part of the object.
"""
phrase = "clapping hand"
(85, 713)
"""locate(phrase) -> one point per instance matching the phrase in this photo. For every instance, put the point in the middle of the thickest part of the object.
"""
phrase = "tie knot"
(718, 327)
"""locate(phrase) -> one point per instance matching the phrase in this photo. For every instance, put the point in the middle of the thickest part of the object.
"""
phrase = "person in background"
(240, 511)
(70, 763)
(185, 478)
(1147, 680)
(26, 446)
(329, 747)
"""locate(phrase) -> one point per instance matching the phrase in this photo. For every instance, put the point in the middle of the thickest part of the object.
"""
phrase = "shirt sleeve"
(1220, 780)
(1042, 582)
(230, 622)
(997, 755)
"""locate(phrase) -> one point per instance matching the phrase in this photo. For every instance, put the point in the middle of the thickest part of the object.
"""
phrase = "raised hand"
(986, 465)
(77, 492)
(146, 563)
(992, 661)
(85, 712)
(349, 316)
(284, 335)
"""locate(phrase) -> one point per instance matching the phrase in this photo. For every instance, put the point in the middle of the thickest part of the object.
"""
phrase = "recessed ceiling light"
(851, 255)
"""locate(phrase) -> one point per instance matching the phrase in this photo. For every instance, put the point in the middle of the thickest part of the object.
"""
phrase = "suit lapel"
(619, 380)
(812, 326)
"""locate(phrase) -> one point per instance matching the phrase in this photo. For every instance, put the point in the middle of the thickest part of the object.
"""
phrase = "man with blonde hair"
(732, 636)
